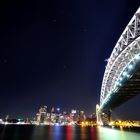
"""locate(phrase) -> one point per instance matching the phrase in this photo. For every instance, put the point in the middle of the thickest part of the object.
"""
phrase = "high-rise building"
(41, 116)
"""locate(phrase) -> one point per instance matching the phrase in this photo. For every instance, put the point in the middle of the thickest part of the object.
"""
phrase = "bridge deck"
(130, 89)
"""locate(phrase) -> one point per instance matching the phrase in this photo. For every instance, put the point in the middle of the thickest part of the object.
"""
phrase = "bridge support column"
(98, 118)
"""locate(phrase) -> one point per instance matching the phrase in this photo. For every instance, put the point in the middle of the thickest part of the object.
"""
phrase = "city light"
(55, 117)
(126, 123)
(58, 109)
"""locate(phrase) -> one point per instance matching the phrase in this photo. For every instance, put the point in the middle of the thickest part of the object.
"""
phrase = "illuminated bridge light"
(117, 83)
(130, 66)
(128, 76)
(124, 73)
(120, 78)
(137, 57)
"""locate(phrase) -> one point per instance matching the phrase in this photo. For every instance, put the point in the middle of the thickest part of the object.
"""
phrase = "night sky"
(53, 53)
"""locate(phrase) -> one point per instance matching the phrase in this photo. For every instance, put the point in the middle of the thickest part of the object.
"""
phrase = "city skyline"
(55, 53)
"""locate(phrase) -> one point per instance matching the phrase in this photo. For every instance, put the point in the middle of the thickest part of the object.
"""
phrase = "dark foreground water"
(31, 132)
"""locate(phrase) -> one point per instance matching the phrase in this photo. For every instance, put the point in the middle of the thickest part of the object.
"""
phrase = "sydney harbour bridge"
(121, 80)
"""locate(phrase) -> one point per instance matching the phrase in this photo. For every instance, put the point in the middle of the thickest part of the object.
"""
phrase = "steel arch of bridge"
(123, 59)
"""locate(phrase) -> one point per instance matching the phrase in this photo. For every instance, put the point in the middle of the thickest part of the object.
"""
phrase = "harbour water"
(33, 132)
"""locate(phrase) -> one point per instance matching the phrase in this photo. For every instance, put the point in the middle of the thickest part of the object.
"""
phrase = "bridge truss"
(122, 64)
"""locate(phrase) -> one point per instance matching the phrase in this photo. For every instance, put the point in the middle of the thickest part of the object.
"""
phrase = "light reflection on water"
(66, 133)
(69, 133)
(107, 133)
